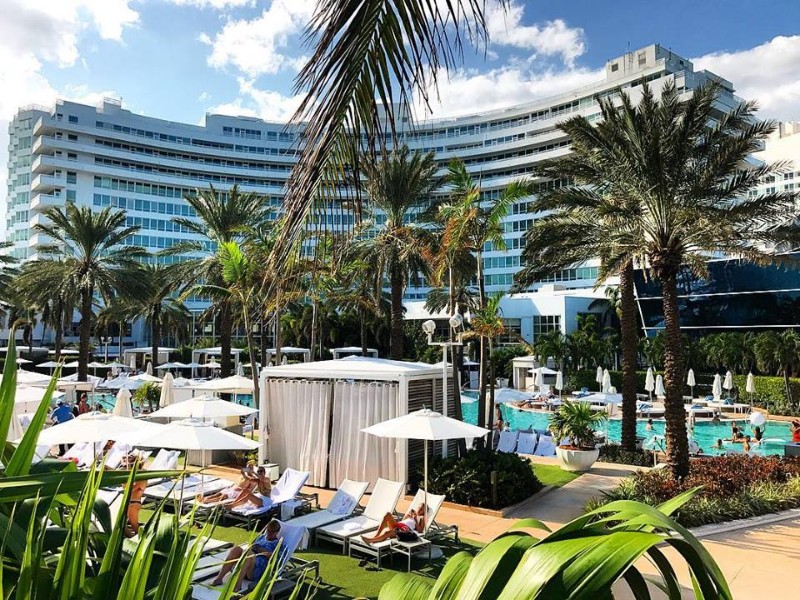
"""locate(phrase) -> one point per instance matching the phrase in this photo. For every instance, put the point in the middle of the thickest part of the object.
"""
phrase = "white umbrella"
(31, 397)
(172, 365)
(425, 425)
(50, 364)
(536, 378)
(204, 407)
(240, 370)
(192, 434)
(606, 386)
(191, 365)
(750, 387)
(96, 365)
(559, 382)
(15, 430)
(30, 378)
(650, 382)
(72, 365)
(147, 378)
(167, 396)
(660, 391)
(604, 397)
(728, 383)
(95, 427)
(23, 361)
(690, 381)
(504, 395)
(114, 365)
(235, 384)
(122, 407)
(128, 383)
(133, 362)
(212, 364)
(599, 377)
(716, 389)
(149, 368)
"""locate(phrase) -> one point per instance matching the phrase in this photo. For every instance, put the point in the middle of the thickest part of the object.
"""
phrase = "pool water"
(706, 433)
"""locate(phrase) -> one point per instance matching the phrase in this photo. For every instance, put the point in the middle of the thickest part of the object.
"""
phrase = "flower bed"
(732, 487)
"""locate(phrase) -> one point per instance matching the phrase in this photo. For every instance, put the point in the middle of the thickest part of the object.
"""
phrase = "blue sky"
(178, 59)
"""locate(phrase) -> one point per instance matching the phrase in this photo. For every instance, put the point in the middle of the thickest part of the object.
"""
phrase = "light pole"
(106, 340)
(429, 327)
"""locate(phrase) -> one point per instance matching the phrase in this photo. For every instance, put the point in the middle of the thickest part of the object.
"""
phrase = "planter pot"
(577, 460)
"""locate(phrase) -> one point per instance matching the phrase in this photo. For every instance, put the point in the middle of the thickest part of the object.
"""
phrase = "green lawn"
(553, 475)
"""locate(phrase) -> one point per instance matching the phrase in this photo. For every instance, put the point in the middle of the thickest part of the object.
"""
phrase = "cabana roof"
(289, 350)
(148, 350)
(356, 367)
(215, 351)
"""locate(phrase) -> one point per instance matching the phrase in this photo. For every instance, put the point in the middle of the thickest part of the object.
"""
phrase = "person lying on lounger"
(256, 495)
(242, 489)
(413, 520)
(256, 559)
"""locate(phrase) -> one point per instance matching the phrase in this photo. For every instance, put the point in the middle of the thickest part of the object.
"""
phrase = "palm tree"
(487, 324)
(155, 301)
(221, 217)
(399, 185)
(671, 189)
(469, 225)
(90, 256)
(778, 352)
(551, 344)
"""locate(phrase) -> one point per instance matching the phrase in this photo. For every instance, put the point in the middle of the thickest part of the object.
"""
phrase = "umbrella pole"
(425, 518)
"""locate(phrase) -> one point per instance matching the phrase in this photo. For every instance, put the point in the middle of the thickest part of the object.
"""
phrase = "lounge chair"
(383, 500)
(545, 447)
(526, 443)
(341, 506)
(185, 488)
(508, 441)
(165, 460)
(283, 497)
(116, 454)
(290, 569)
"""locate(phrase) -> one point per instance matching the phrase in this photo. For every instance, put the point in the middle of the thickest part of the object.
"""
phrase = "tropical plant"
(147, 395)
(90, 255)
(399, 185)
(552, 344)
(778, 352)
(221, 217)
(576, 421)
(486, 324)
(583, 559)
(671, 192)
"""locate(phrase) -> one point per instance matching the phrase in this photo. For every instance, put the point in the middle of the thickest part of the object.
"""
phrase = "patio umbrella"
(147, 378)
(504, 395)
(15, 430)
(559, 382)
(193, 434)
(728, 383)
(750, 387)
(204, 407)
(50, 364)
(72, 365)
(599, 377)
(149, 368)
(425, 425)
(30, 378)
(171, 365)
(660, 391)
(114, 365)
(23, 361)
(129, 383)
(212, 364)
(122, 407)
(716, 389)
(240, 370)
(690, 381)
(167, 397)
(29, 398)
(235, 384)
(536, 378)
(606, 386)
(133, 362)
(95, 427)
(192, 365)
(650, 382)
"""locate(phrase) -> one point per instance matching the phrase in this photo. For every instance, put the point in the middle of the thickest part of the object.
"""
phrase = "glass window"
(545, 324)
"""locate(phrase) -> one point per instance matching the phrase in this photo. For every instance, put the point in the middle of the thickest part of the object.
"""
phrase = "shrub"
(614, 453)
(502, 357)
(467, 480)
(149, 394)
(732, 487)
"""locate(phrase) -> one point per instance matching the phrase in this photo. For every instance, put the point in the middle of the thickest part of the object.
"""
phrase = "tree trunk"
(787, 386)
(251, 349)
(362, 316)
(155, 335)
(225, 334)
(314, 332)
(278, 336)
(59, 331)
(85, 334)
(262, 340)
(396, 339)
(674, 413)
(629, 343)
(457, 360)
(121, 325)
(484, 367)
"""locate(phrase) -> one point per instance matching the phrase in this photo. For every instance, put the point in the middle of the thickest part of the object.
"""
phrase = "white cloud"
(768, 73)
(552, 38)
(264, 104)
(217, 4)
(262, 45)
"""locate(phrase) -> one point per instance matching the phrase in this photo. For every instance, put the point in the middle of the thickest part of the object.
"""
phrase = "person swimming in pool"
(649, 426)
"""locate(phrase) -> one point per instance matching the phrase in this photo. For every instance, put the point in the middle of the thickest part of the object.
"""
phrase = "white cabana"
(203, 407)
(208, 353)
(312, 414)
(122, 406)
(131, 356)
(346, 351)
(290, 351)
(521, 371)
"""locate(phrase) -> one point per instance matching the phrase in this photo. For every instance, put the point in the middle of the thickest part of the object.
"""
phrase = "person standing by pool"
(61, 414)
(795, 429)
(83, 405)
(498, 426)
(746, 444)
(758, 434)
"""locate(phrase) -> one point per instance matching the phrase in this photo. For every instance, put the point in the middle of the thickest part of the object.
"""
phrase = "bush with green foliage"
(576, 421)
(467, 480)
(614, 453)
(502, 357)
(731, 487)
(147, 396)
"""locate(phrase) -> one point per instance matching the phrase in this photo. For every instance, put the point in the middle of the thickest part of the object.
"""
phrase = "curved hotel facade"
(107, 156)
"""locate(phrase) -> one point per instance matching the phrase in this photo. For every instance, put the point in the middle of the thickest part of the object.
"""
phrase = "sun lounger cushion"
(508, 441)
(165, 460)
(545, 447)
(526, 443)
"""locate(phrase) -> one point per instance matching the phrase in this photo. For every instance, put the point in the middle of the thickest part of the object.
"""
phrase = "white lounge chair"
(165, 460)
(545, 447)
(383, 500)
(341, 506)
(290, 569)
(283, 497)
(508, 441)
(186, 488)
(115, 455)
(526, 443)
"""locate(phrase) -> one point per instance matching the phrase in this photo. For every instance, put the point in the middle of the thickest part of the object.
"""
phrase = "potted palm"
(574, 422)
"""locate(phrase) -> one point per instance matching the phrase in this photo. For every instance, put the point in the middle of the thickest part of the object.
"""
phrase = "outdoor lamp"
(429, 327)
(456, 321)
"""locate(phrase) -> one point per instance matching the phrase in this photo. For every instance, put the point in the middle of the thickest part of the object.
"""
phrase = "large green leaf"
(8, 389)
(407, 587)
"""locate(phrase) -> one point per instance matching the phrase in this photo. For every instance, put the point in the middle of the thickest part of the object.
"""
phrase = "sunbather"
(255, 494)
(255, 563)
(413, 520)
(249, 480)
(134, 507)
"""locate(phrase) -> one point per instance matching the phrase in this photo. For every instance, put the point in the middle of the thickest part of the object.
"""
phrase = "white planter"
(577, 460)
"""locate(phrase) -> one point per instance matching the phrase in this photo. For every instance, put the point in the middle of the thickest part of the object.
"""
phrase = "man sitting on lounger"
(413, 520)
(257, 559)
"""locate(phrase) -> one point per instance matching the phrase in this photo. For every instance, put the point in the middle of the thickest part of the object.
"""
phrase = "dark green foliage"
(614, 453)
(147, 396)
(733, 487)
(467, 480)
(502, 356)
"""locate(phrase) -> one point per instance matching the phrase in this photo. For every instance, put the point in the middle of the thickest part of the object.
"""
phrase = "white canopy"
(191, 434)
(31, 397)
(204, 407)
(95, 427)
(167, 397)
(122, 407)
(31, 378)
(425, 424)
(235, 384)
(543, 371)
(147, 378)
(355, 367)
(353, 350)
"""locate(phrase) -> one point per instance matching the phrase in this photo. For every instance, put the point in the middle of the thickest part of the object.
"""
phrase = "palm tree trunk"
(85, 334)
(674, 413)
(457, 360)
(396, 339)
(362, 317)
(262, 340)
(121, 326)
(59, 331)
(314, 332)
(278, 336)
(225, 333)
(484, 375)
(155, 337)
(629, 343)
(251, 349)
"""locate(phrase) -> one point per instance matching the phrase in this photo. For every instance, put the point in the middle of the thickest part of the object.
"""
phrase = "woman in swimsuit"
(246, 483)
(135, 506)
(413, 519)
(263, 489)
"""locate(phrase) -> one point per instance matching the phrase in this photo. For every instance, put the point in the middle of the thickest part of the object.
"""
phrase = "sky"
(180, 59)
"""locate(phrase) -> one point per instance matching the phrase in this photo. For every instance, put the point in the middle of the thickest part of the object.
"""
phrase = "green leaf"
(452, 576)
(8, 389)
(405, 586)
(493, 565)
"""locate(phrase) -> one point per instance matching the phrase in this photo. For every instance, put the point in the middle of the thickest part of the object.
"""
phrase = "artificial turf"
(553, 475)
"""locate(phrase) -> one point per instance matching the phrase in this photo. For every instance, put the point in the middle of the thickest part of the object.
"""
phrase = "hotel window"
(614, 68)
(545, 324)
(512, 333)
(72, 138)
(72, 177)
(73, 119)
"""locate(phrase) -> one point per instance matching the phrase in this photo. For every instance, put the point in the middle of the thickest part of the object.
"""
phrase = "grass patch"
(553, 475)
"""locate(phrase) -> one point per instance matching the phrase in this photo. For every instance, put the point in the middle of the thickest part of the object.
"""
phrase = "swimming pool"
(705, 433)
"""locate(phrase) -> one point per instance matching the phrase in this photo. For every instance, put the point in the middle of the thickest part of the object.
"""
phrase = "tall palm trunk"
(314, 332)
(155, 335)
(483, 404)
(674, 413)
(396, 286)
(628, 331)
(251, 350)
(85, 334)
(121, 326)
(59, 330)
(225, 334)
(362, 318)
(457, 360)
(278, 336)
(262, 340)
